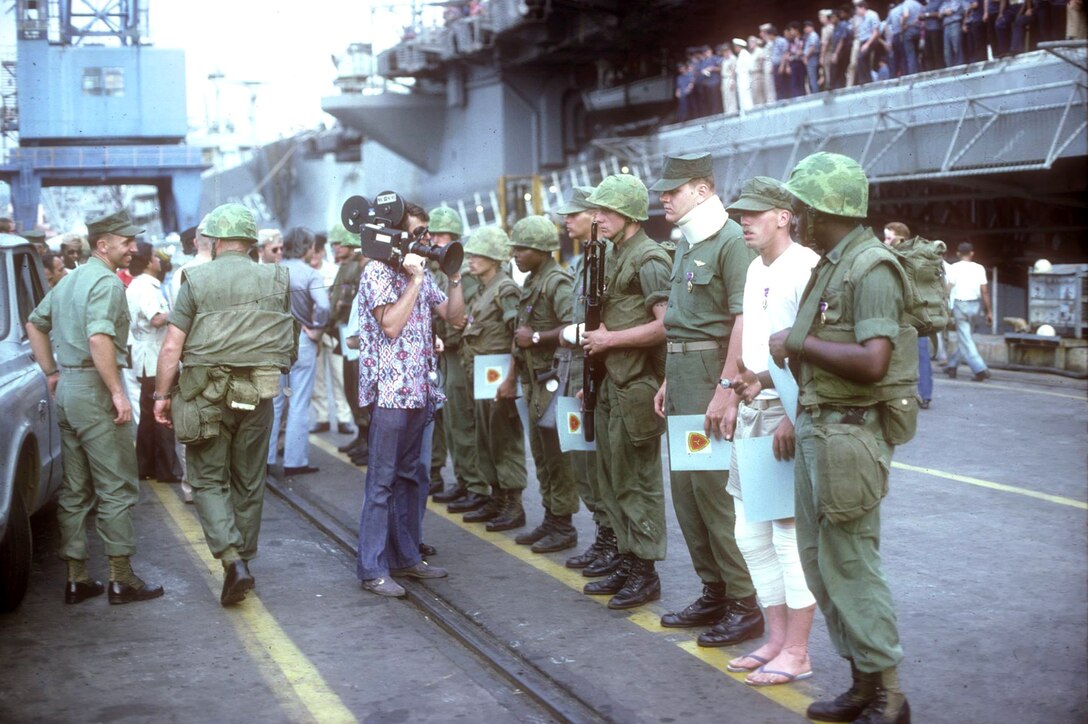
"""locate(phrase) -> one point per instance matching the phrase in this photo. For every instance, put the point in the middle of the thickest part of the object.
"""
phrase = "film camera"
(376, 224)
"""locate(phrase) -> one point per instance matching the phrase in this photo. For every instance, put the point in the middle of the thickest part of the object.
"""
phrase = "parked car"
(30, 464)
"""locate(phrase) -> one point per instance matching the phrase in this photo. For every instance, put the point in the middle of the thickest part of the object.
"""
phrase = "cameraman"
(396, 362)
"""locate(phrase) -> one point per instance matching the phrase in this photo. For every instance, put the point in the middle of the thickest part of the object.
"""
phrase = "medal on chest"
(823, 312)
(690, 276)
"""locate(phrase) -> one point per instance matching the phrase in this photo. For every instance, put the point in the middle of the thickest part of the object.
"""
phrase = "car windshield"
(5, 301)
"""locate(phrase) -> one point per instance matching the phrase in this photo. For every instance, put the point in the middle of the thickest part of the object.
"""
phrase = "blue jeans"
(966, 314)
(296, 442)
(814, 73)
(425, 448)
(396, 479)
(953, 45)
(925, 370)
(910, 50)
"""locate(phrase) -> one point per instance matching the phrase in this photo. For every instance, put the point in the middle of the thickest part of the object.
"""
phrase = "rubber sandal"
(790, 678)
(742, 669)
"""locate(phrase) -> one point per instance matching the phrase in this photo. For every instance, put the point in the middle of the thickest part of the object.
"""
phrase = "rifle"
(593, 291)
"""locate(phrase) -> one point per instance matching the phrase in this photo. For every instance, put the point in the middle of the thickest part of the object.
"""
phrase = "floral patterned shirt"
(396, 373)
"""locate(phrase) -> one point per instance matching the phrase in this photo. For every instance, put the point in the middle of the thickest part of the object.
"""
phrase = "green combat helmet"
(445, 220)
(831, 183)
(231, 221)
(625, 195)
(489, 241)
(339, 235)
(536, 232)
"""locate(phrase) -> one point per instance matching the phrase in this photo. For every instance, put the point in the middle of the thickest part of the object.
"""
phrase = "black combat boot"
(614, 582)
(608, 559)
(889, 705)
(488, 511)
(707, 609)
(532, 536)
(470, 501)
(561, 536)
(848, 705)
(512, 514)
(595, 550)
(457, 492)
(742, 621)
(642, 586)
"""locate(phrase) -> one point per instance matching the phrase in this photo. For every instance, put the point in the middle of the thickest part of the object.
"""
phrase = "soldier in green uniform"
(858, 364)
(458, 415)
(489, 329)
(233, 331)
(578, 219)
(88, 318)
(702, 328)
(342, 296)
(544, 309)
(628, 433)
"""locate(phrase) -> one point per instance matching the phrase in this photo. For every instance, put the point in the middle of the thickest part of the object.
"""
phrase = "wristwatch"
(724, 383)
(157, 397)
(536, 337)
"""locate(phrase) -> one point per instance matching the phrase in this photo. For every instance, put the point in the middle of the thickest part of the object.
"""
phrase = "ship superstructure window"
(108, 81)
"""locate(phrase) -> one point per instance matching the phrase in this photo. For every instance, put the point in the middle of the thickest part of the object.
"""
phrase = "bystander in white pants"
(329, 366)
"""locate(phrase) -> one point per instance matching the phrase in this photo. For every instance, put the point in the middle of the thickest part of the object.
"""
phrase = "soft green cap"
(33, 235)
(489, 241)
(231, 221)
(119, 223)
(577, 201)
(339, 235)
(445, 220)
(536, 232)
(681, 169)
(831, 183)
(624, 194)
(762, 193)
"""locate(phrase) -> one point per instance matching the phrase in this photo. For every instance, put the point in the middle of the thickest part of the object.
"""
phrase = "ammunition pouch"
(195, 420)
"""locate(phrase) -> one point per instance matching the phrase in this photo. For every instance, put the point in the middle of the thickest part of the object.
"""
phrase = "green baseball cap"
(577, 202)
(762, 193)
(119, 223)
(681, 169)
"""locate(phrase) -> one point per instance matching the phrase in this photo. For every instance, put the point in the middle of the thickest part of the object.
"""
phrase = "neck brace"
(704, 220)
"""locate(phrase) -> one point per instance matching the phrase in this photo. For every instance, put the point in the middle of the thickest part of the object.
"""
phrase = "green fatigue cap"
(489, 241)
(119, 223)
(681, 169)
(577, 201)
(624, 194)
(33, 235)
(762, 193)
(445, 220)
(339, 235)
(231, 221)
(831, 183)
(536, 232)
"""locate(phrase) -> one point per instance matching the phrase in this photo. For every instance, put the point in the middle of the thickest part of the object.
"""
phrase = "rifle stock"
(593, 291)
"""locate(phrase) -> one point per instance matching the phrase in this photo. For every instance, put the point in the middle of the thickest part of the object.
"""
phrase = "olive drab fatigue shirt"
(544, 304)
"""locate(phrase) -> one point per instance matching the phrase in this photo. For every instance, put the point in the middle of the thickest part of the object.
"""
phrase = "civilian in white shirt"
(327, 367)
(148, 312)
(773, 288)
(969, 294)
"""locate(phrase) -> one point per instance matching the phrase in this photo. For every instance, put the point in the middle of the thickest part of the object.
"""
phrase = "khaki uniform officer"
(88, 318)
(232, 329)
(489, 329)
(628, 434)
(702, 326)
(858, 372)
(543, 311)
(578, 218)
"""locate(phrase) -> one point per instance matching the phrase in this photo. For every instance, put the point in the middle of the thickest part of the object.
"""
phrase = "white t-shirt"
(967, 279)
(772, 296)
(145, 300)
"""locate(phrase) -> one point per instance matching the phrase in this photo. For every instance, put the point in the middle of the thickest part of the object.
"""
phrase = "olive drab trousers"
(99, 467)
(460, 424)
(629, 466)
(558, 493)
(227, 474)
(583, 464)
(703, 507)
(500, 446)
(839, 466)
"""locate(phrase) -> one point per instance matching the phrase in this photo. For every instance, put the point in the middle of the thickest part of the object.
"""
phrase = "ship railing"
(86, 157)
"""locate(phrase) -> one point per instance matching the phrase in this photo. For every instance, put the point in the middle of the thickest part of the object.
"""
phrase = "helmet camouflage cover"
(339, 235)
(536, 232)
(231, 221)
(624, 194)
(831, 183)
(489, 241)
(445, 220)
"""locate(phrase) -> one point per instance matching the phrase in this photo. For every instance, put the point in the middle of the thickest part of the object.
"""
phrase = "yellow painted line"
(1013, 388)
(1059, 499)
(294, 681)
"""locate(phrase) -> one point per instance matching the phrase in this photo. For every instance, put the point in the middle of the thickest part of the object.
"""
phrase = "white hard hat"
(1042, 267)
(1045, 330)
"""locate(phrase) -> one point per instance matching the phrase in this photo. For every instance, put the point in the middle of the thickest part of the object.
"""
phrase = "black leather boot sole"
(80, 591)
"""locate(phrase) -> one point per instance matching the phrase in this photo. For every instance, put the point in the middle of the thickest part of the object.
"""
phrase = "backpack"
(927, 301)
